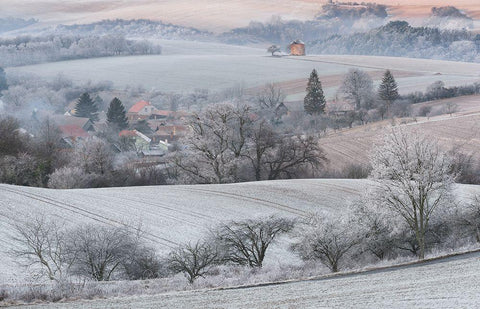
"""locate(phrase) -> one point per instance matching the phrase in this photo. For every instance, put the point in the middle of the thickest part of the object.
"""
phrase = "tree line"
(25, 50)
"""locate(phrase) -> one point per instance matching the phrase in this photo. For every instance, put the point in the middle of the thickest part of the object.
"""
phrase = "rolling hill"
(460, 131)
(219, 66)
(171, 215)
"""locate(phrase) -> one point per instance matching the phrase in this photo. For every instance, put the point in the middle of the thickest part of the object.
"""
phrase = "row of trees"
(30, 50)
(116, 114)
(356, 88)
(398, 38)
(409, 208)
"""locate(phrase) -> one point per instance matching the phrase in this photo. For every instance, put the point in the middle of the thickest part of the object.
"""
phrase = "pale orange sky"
(214, 15)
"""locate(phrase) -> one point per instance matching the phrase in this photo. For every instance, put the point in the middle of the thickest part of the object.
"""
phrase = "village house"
(140, 111)
(141, 141)
(169, 133)
(297, 48)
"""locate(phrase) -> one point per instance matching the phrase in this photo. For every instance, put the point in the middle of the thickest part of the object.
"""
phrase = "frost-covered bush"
(69, 178)
(327, 240)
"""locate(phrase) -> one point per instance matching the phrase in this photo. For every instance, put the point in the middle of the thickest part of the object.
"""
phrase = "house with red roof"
(140, 111)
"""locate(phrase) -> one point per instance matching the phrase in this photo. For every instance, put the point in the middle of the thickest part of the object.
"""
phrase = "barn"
(297, 48)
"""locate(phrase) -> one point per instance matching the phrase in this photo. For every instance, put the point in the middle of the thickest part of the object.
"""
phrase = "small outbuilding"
(297, 48)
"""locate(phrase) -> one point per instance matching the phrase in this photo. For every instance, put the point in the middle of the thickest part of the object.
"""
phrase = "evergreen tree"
(388, 90)
(86, 108)
(116, 115)
(314, 102)
(3, 80)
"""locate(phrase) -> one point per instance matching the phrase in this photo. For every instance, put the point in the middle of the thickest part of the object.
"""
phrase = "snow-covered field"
(186, 66)
(448, 283)
(175, 214)
(170, 214)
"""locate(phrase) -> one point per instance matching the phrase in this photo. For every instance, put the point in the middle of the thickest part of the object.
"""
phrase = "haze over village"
(239, 154)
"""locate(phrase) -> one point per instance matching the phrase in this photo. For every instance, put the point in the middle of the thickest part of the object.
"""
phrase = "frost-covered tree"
(357, 88)
(270, 97)
(246, 242)
(41, 242)
(68, 178)
(326, 240)
(98, 252)
(86, 108)
(231, 144)
(3, 80)
(93, 155)
(214, 145)
(388, 89)
(273, 49)
(413, 177)
(116, 115)
(314, 102)
(194, 260)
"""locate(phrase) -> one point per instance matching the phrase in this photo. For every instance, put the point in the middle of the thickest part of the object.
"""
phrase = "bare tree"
(291, 154)
(270, 97)
(98, 251)
(217, 140)
(357, 87)
(12, 141)
(468, 218)
(325, 240)
(193, 260)
(93, 155)
(450, 108)
(413, 178)
(226, 140)
(41, 242)
(273, 49)
(246, 242)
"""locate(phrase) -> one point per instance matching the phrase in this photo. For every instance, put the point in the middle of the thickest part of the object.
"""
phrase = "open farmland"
(170, 214)
(220, 66)
(447, 283)
(461, 131)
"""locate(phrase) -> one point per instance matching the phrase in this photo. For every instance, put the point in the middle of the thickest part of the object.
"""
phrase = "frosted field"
(461, 131)
(171, 214)
(448, 283)
(186, 66)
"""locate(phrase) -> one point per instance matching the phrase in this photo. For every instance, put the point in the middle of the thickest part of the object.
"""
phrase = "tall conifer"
(314, 102)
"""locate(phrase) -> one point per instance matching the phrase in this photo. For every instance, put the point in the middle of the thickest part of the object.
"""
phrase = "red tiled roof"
(162, 113)
(127, 133)
(73, 131)
(138, 106)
